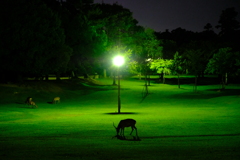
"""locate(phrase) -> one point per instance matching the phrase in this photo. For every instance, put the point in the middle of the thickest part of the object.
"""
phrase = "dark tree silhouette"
(34, 42)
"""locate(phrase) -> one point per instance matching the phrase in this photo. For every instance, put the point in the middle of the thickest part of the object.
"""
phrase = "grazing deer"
(56, 100)
(125, 123)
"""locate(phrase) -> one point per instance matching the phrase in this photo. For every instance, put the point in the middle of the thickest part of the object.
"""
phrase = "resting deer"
(33, 104)
(30, 102)
(125, 123)
(56, 100)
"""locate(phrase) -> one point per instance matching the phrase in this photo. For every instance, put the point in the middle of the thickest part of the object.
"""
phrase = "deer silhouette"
(125, 123)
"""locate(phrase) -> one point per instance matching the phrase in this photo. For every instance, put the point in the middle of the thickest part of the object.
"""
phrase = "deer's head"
(117, 128)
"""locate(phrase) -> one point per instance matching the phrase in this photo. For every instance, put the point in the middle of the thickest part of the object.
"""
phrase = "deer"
(125, 123)
(30, 102)
(56, 100)
(33, 104)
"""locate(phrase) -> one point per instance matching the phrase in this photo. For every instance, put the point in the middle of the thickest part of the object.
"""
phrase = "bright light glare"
(118, 61)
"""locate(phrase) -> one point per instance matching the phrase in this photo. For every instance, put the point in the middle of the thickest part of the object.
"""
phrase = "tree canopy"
(34, 42)
(43, 37)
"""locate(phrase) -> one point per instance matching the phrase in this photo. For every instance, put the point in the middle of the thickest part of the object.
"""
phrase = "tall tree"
(223, 62)
(146, 48)
(177, 66)
(33, 40)
(81, 36)
(115, 25)
(162, 66)
(228, 21)
(194, 58)
(229, 34)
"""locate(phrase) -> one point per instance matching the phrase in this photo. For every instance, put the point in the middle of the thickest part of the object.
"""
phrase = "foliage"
(192, 60)
(222, 62)
(34, 39)
(177, 64)
(146, 47)
(161, 65)
(134, 67)
(42, 37)
(116, 27)
(228, 21)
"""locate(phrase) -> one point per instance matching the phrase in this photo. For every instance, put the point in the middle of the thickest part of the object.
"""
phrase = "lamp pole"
(118, 61)
(119, 99)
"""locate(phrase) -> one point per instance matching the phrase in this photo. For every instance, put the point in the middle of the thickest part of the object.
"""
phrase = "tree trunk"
(104, 73)
(46, 77)
(146, 79)
(36, 78)
(114, 79)
(149, 80)
(223, 82)
(163, 77)
(195, 85)
(86, 76)
(140, 75)
(73, 75)
(58, 77)
(178, 81)
(145, 91)
(226, 79)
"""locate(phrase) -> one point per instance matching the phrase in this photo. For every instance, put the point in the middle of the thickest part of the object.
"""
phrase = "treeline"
(78, 37)
(205, 52)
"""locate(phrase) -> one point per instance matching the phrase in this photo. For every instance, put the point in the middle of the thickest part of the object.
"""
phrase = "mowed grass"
(172, 123)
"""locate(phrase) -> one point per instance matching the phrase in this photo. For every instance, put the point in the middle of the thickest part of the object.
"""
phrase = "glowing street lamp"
(118, 61)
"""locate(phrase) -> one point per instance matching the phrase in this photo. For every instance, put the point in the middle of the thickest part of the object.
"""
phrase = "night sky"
(191, 15)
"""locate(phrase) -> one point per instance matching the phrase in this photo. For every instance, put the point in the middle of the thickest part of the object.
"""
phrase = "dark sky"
(170, 14)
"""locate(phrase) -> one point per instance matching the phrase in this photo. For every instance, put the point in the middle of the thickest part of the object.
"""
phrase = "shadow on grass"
(19, 103)
(116, 113)
(134, 138)
(189, 136)
(27, 107)
(24, 105)
(201, 95)
(227, 92)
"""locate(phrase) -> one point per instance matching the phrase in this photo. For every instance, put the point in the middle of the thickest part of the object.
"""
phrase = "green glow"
(118, 61)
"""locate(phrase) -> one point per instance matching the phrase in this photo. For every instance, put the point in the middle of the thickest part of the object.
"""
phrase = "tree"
(223, 62)
(177, 66)
(208, 27)
(33, 40)
(229, 29)
(80, 36)
(162, 66)
(228, 22)
(118, 26)
(146, 48)
(194, 63)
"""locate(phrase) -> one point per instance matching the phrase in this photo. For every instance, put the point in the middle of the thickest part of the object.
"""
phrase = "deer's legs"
(136, 132)
(123, 132)
(133, 129)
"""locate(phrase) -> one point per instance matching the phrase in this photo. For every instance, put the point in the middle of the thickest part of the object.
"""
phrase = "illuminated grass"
(172, 123)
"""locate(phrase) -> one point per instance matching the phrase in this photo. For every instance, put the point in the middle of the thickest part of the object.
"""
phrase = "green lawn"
(172, 123)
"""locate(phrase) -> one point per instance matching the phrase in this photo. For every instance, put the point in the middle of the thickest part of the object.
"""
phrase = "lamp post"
(118, 61)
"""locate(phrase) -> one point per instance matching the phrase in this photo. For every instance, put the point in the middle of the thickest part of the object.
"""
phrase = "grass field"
(172, 123)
